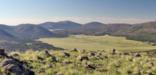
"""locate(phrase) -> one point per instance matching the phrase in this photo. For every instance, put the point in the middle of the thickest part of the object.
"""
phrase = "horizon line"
(80, 20)
(75, 22)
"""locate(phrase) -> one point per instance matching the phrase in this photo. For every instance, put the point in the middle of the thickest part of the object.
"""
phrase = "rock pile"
(14, 66)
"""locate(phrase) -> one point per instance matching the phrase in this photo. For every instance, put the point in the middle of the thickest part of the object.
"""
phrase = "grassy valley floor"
(98, 43)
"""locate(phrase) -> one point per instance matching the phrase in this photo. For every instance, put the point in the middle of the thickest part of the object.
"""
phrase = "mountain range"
(30, 32)
(142, 32)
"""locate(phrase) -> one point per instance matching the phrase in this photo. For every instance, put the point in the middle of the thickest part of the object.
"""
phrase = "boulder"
(40, 58)
(82, 57)
(12, 66)
(75, 50)
(65, 62)
(50, 65)
(46, 52)
(14, 54)
(59, 73)
(126, 53)
(54, 58)
(5, 62)
(113, 51)
(89, 66)
(2, 52)
(65, 54)
(137, 55)
(92, 53)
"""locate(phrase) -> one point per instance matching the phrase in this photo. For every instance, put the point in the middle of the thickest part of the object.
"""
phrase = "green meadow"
(98, 43)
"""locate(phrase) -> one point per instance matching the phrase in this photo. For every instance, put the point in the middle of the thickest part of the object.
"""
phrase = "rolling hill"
(52, 29)
(17, 37)
(30, 32)
(142, 32)
(60, 25)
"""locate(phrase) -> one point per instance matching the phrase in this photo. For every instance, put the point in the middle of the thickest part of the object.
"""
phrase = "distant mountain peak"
(60, 25)
(26, 24)
(95, 23)
(66, 21)
(151, 23)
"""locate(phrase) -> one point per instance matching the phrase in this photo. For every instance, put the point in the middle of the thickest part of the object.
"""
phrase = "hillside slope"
(30, 31)
(60, 25)
(16, 37)
(78, 62)
(142, 32)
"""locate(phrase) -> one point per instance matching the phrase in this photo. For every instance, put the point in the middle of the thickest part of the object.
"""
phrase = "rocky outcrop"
(14, 66)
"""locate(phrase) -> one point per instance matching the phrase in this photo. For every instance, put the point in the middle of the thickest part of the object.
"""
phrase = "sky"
(14, 12)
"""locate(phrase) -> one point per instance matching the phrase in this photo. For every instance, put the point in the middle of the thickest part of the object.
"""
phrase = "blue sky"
(82, 11)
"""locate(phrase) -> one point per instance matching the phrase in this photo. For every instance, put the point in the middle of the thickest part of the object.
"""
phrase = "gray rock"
(2, 52)
(75, 50)
(113, 51)
(67, 62)
(89, 66)
(65, 54)
(92, 53)
(15, 69)
(54, 58)
(5, 62)
(137, 55)
(126, 53)
(82, 57)
(46, 52)
(12, 66)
